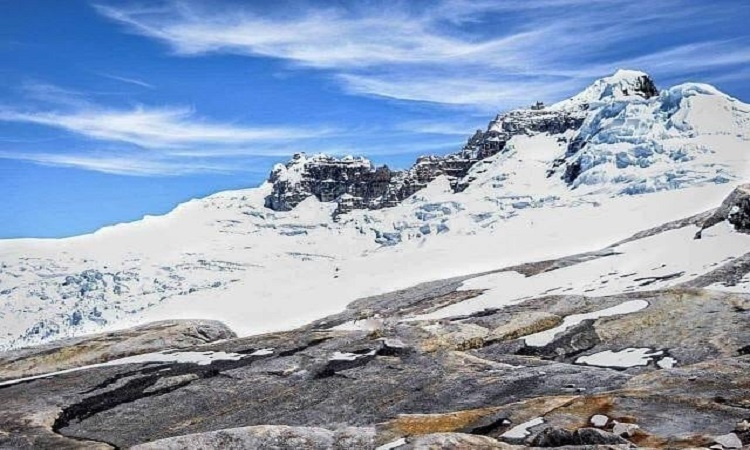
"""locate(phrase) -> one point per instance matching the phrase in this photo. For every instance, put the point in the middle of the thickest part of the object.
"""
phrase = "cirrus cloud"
(483, 54)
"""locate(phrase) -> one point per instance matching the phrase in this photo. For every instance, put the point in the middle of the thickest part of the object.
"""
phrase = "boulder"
(455, 336)
(624, 429)
(553, 437)
(729, 440)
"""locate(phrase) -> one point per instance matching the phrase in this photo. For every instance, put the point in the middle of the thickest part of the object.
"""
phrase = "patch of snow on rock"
(522, 430)
(623, 359)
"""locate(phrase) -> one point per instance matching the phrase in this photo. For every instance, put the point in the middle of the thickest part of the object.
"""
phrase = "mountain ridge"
(355, 183)
(225, 243)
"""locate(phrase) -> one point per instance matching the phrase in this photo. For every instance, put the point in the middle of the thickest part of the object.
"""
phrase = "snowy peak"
(687, 135)
(619, 136)
(622, 84)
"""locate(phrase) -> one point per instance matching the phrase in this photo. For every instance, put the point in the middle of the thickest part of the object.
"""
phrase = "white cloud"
(122, 164)
(460, 128)
(156, 128)
(146, 141)
(490, 94)
(481, 53)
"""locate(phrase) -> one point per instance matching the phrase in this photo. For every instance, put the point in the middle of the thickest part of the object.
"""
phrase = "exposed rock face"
(735, 209)
(355, 183)
(269, 436)
(645, 87)
(76, 352)
(328, 179)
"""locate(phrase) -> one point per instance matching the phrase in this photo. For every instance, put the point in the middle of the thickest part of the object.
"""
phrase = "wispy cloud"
(487, 54)
(495, 94)
(143, 140)
(460, 128)
(127, 80)
(122, 164)
(159, 141)
(156, 128)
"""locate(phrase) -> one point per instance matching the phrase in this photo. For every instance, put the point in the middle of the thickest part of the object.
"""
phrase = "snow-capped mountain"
(544, 182)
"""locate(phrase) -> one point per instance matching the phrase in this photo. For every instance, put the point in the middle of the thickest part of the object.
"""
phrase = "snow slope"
(227, 257)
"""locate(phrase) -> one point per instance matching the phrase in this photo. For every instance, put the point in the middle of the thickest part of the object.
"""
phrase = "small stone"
(743, 426)
(624, 429)
(728, 441)
(599, 420)
(553, 437)
(393, 347)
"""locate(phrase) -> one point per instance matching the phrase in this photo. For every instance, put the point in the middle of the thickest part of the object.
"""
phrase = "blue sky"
(113, 110)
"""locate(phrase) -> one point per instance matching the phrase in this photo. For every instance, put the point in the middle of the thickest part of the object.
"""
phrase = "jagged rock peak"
(355, 183)
(620, 135)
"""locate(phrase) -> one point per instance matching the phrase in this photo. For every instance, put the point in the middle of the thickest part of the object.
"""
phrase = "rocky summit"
(576, 276)
(355, 183)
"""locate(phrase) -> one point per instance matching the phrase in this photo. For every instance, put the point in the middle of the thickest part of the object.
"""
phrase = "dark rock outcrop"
(560, 437)
(553, 437)
(645, 87)
(735, 209)
(355, 183)
(595, 436)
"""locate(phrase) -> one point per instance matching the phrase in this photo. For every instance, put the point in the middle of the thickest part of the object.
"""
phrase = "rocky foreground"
(665, 368)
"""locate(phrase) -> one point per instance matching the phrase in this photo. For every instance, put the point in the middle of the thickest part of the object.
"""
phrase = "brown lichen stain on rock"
(414, 424)
(645, 440)
(50, 361)
(454, 336)
(524, 324)
(577, 413)
(418, 424)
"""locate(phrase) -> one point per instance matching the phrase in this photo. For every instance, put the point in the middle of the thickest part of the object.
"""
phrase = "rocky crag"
(355, 183)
